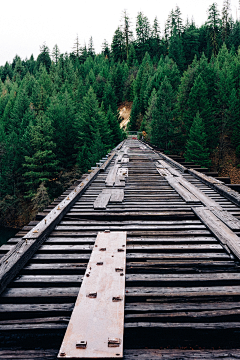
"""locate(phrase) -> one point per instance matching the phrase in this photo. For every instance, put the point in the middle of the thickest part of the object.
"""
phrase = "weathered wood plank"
(164, 164)
(131, 354)
(117, 195)
(217, 185)
(101, 297)
(225, 235)
(181, 190)
(163, 172)
(206, 200)
(232, 222)
(102, 200)
(110, 180)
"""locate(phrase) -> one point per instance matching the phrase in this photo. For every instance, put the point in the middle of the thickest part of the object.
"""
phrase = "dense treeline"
(57, 119)
(59, 113)
(186, 99)
(167, 103)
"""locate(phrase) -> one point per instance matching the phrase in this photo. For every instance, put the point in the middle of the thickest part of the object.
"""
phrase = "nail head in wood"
(81, 344)
(114, 342)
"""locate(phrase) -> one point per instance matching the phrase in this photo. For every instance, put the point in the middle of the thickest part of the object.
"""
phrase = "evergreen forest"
(59, 112)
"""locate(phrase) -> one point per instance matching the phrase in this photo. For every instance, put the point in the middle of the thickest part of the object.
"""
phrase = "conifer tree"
(61, 113)
(88, 126)
(77, 48)
(44, 58)
(143, 32)
(116, 132)
(225, 20)
(196, 148)
(91, 51)
(213, 24)
(55, 53)
(118, 46)
(163, 116)
(127, 33)
(135, 112)
(42, 166)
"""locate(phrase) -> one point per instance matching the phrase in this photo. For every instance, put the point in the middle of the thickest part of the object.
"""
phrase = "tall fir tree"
(196, 148)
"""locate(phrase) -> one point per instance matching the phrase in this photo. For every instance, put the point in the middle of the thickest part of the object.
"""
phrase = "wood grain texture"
(225, 235)
(100, 303)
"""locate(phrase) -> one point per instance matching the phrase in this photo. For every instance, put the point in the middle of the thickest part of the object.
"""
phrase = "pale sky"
(27, 24)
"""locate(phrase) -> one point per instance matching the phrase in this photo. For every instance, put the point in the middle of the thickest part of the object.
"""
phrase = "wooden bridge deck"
(182, 283)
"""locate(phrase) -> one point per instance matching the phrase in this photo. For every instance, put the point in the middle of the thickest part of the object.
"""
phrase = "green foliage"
(42, 166)
(61, 116)
(44, 57)
(162, 128)
(196, 148)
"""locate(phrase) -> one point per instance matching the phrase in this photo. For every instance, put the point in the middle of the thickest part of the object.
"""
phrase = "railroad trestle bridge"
(138, 260)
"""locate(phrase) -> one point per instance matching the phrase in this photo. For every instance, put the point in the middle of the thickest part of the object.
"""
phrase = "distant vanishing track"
(182, 278)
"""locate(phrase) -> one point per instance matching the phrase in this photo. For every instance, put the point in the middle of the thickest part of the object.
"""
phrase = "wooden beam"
(102, 199)
(206, 200)
(182, 191)
(96, 326)
(217, 185)
(164, 172)
(228, 219)
(110, 180)
(117, 195)
(225, 235)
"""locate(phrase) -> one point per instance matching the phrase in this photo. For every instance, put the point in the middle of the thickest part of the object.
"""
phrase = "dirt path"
(125, 111)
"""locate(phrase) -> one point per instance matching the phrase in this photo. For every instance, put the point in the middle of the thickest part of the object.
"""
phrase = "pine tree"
(143, 32)
(105, 49)
(162, 125)
(44, 58)
(91, 51)
(213, 24)
(55, 53)
(116, 132)
(127, 33)
(135, 112)
(42, 167)
(77, 48)
(176, 49)
(196, 148)
(62, 113)
(118, 46)
(225, 20)
(88, 127)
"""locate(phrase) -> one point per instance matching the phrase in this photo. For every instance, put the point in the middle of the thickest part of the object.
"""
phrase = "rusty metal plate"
(96, 326)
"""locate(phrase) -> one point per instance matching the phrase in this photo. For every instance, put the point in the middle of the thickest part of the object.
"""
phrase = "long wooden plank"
(102, 200)
(225, 235)
(117, 195)
(174, 172)
(232, 222)
(182, 191)
(164, 164)
(110, 180)
(96, 326)
(206, 200)
(164, 172)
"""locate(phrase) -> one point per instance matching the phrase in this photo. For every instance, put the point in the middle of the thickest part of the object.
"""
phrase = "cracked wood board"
(206, 200)
(225, 235)
(182, 191)
(108, 195)
(96, 326)
(110, 180)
